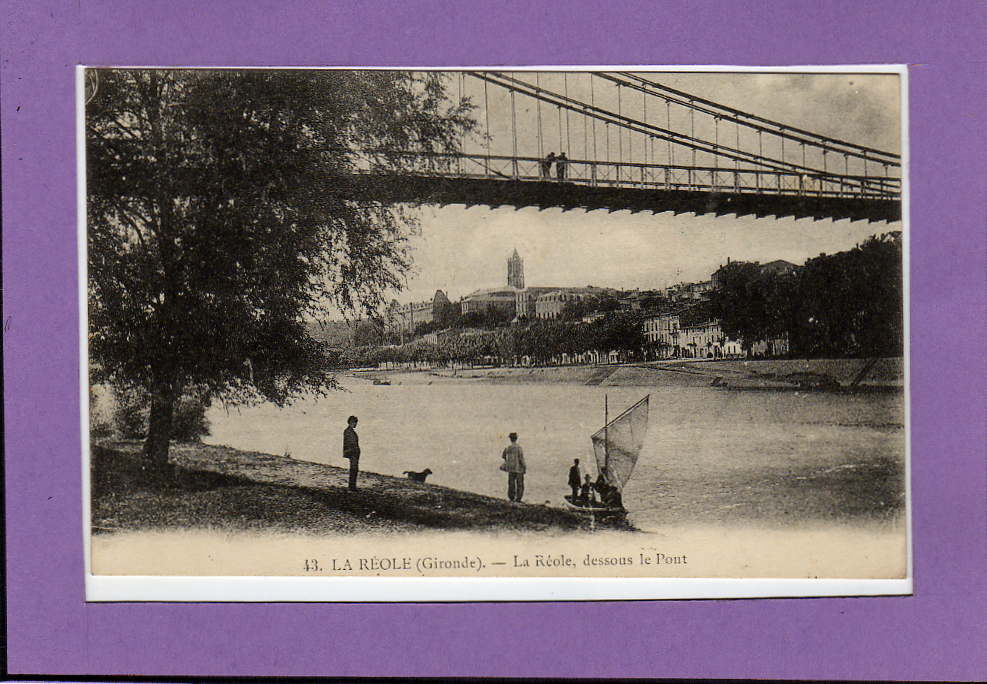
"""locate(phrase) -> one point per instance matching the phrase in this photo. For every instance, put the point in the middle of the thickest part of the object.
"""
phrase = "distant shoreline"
(765, 374)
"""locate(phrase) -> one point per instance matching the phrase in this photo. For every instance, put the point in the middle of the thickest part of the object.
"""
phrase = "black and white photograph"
(606, 323)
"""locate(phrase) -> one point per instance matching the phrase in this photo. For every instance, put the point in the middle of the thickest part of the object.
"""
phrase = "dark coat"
(574, 480)
(351, 443)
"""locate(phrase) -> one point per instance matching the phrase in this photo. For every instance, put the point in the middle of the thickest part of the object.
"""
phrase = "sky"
(460, 250)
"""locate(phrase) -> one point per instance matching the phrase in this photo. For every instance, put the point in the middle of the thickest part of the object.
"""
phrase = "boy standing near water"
(514, 465)
(351, 449)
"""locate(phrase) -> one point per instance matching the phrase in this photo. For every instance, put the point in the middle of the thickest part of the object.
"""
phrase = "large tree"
(219, 220)
(851, 303)
(752, 303)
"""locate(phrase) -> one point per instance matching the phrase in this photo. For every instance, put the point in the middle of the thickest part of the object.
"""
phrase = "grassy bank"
(216, 487)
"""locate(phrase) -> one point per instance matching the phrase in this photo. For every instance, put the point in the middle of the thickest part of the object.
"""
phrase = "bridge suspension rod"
(752, 121)
(560, 101)
(629, 123)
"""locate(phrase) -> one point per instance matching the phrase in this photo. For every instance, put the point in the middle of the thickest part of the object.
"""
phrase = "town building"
(705, 340)
(527, 299)
(406, 317)
(641, 300)
(515, 271)
(688, 333)
(661, 331)
(503, 299)
(550, 305)
(521, 302)
(698, 291)
(500, 298)
(778, 266)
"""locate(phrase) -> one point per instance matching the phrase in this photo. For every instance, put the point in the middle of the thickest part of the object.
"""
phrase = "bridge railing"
(649, 176)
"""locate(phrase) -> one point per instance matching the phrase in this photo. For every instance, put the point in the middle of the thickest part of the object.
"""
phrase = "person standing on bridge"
(546, 165)
(560, 163)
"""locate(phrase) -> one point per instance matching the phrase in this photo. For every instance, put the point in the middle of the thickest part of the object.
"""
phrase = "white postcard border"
(110, 588)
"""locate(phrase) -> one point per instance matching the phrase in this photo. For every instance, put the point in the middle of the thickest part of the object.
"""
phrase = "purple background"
(939, 633)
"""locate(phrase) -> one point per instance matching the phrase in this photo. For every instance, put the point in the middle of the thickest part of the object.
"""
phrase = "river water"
(768, 458)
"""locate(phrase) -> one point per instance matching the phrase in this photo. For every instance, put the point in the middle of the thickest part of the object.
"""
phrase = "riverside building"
(405, 317)
(520, 301)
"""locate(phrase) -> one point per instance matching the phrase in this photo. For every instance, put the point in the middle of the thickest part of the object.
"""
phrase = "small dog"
(418, 477)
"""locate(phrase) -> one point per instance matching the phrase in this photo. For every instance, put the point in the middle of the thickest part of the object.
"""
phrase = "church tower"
(515, 271)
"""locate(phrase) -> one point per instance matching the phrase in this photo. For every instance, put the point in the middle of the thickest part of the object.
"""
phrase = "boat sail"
(618, 443)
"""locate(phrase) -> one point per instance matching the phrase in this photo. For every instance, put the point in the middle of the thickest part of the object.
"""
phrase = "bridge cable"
(672, 136)
(585, 138)
(629, 123)
(620, 139)
(565, 89)
(593, 105)
(668, 135)
(783, 130)
(692, 131)
(541, 149)
(462, 134)
(668, 119)
(736, 162)
(760, 153)
(514, 133)
(716, 144)
(644, 100)
(486, 110)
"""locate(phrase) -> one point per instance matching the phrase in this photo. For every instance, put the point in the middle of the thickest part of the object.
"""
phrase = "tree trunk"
(159, 426)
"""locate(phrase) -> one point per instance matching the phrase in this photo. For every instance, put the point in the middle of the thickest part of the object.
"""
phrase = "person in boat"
(609, 495)
(614, 499)
(575, 480)
(586, 497)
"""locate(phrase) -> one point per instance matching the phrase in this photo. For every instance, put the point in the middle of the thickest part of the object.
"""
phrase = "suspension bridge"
(631, 143)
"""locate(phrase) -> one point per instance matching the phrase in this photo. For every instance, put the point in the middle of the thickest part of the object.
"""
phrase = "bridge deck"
(545, 194)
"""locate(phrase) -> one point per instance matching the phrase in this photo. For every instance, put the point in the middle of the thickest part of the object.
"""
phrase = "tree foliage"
(851, 303)
(752, 304)
(847, 304)
(542, 341)
(219, 220)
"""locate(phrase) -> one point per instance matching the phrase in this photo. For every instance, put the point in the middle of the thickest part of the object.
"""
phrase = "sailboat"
(616, 446)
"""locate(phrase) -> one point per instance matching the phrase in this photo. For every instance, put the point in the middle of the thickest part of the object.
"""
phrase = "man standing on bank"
(514, 465)
(351, 449)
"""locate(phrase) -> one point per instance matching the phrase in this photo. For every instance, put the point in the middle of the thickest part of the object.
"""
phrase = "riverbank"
(805, 374)
(220, 488)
